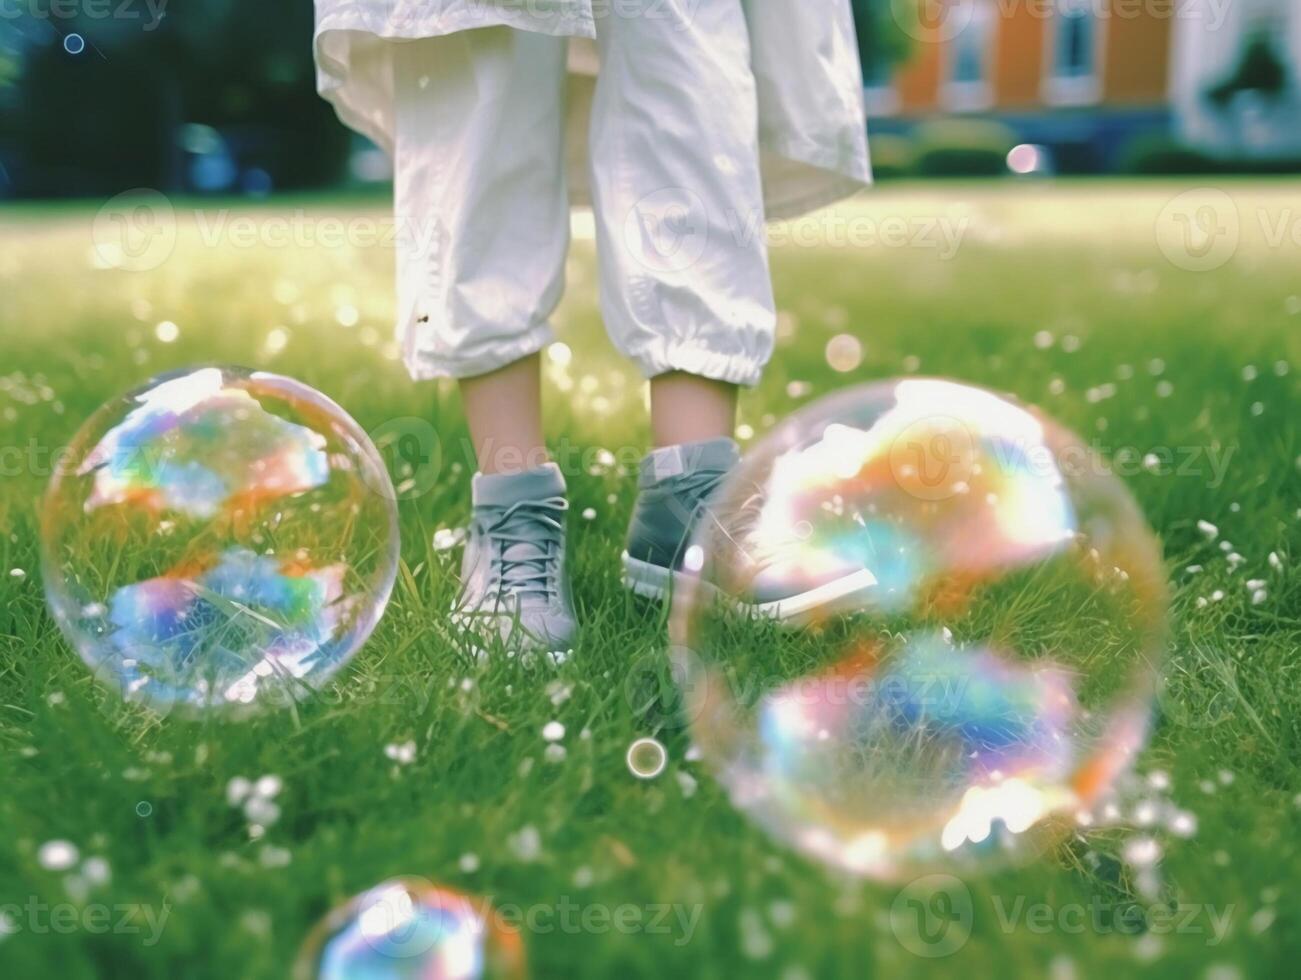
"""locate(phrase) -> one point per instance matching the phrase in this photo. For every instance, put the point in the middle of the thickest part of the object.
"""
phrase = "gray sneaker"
(674, 486)
(678, 491)
(514, 582)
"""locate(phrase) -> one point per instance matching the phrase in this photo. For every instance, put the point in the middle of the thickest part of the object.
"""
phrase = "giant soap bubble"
(219, 538)
(919, 629)
(411, 929)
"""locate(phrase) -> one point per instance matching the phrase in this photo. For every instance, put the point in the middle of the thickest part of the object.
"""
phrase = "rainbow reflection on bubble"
(409, 929)
(223, 629)
(922, 630)
(954, 481)
(195, 444)
(221, 537)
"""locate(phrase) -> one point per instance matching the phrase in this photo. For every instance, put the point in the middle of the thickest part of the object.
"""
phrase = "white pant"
(483, 207)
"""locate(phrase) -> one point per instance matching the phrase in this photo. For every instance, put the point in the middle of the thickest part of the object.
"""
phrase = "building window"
(1074, 44)
(969, 57)
(1074, 41)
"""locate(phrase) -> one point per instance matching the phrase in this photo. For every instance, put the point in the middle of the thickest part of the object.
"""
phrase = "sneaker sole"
(656, 582)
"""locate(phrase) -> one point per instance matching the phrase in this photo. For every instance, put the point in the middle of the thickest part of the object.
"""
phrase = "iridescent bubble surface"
(219, 538)
(410, 929)
(919, 629)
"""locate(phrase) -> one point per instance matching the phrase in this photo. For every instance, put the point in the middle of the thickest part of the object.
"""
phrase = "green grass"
(1079, 262)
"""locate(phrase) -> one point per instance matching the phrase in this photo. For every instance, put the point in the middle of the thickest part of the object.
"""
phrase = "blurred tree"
(88, 125)
(1259, 69)
(107, 118)
(249, 73)
(882, 40)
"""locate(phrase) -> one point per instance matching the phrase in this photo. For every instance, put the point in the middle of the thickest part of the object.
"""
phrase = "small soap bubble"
(844, 353)
(408, 927)
(646, 758)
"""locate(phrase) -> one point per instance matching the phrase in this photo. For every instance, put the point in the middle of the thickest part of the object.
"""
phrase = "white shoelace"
(536, 525)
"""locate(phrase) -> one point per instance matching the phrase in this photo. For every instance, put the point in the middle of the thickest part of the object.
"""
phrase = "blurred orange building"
(1088, 77)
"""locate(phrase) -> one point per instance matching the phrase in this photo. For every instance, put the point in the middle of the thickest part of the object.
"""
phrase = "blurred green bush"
(892, 156)
(962, 148)
(1160, 153)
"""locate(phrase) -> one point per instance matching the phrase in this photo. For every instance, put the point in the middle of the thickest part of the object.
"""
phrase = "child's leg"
(679, 207)
(483, 216)
(483, 222)
(684, 266)
(690, 408)
(504, 410)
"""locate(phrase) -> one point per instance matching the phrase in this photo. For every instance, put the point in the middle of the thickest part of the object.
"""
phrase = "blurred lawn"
(1167, 333)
